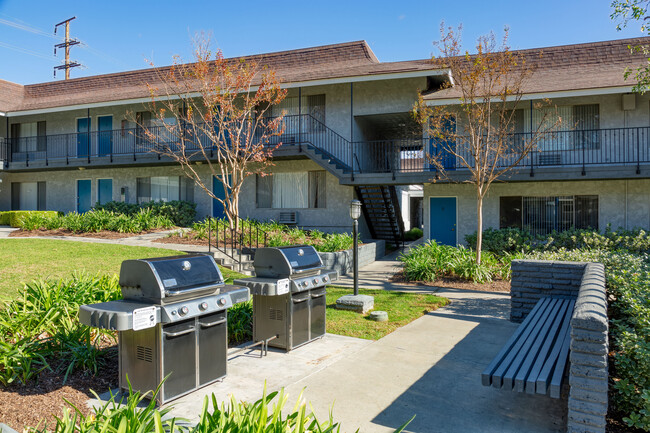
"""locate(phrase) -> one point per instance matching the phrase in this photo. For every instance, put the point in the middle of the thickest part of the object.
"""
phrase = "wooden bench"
(535, 358)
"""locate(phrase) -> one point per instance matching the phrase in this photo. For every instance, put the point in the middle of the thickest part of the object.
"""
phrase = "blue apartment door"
(104, 190)
(218, 210)
(105, 132)
(441, 148)
(83, 137)
(83, 196)
(442, 220)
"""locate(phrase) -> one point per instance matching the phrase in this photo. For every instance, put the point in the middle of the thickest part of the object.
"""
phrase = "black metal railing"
(578, 148)
(235, 243)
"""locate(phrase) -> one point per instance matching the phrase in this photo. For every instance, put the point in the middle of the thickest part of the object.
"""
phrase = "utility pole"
(67, 44)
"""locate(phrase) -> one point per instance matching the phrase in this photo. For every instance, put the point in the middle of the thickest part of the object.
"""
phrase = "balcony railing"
(578, 148)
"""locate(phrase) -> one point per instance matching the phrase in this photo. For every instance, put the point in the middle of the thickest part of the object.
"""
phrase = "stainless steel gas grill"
(288, 295)
(171, 323)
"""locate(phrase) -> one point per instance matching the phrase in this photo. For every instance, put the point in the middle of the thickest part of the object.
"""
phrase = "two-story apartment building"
(66, 145)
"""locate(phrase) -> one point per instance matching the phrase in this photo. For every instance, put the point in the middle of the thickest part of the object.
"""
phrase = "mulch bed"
(187, 239)
(23, 406)
(104, 234)
(454, 283)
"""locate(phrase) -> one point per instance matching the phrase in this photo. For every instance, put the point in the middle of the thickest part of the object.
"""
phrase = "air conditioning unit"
(550, 159)
(289, 218)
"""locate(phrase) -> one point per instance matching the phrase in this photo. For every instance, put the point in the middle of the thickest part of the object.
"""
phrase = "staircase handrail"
(237, 240)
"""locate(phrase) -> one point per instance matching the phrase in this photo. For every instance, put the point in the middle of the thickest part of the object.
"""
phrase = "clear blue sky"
(119, 35)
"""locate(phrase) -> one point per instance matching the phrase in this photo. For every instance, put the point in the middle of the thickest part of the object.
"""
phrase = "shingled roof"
(593, 65)
(568, 67)
(308, 64)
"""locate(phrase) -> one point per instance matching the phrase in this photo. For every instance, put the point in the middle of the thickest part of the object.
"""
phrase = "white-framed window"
(28, 196)
(158, 188)
(295, 190)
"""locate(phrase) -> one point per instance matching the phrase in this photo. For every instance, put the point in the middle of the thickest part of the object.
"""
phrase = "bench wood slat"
(547, 370)
(558, 374)
(497, 377)
(550, 339)
(529, 345)
(536, 349)
(486, 376)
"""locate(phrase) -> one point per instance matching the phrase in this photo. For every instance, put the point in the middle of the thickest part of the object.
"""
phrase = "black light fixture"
(355, 213)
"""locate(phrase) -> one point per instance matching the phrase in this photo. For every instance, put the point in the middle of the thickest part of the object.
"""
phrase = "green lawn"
(402, 308)
(24, 260)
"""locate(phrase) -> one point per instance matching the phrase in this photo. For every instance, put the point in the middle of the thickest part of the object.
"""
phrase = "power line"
(29, 29)
(26, 51)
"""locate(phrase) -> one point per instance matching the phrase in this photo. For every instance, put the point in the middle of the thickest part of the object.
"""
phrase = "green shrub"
(181, 213)
(413, 234)
(15, 218)
(240, 322)
(431, 261)
(133, 414)
(40, 328)
(98, 220)
(517, 240)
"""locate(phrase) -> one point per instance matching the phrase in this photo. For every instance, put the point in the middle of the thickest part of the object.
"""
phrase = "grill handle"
(211, 324)
(298, 301)
(190, 291)
(317, 295)
(179, 333)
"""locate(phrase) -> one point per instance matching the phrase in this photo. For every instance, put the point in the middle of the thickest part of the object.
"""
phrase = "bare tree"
(479, 132)
(213, 112)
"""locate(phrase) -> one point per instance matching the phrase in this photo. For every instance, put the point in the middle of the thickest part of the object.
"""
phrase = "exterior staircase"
(232, 262)
(381, 210)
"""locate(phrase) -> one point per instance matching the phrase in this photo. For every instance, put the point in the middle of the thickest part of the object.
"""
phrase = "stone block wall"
(341, 261)
(535, 279)
(588, 372)
(588, 357)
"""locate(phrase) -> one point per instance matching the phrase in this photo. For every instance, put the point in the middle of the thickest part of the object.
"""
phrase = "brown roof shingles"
(574, 67)
(569, 67)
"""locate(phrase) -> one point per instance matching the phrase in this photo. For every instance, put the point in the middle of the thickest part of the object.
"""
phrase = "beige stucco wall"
(621, 203)
(61, 191)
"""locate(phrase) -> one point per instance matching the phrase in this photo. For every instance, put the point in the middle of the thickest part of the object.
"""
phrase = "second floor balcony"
(581, 150)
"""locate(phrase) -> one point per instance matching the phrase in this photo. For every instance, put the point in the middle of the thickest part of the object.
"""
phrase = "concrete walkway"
(429, 368)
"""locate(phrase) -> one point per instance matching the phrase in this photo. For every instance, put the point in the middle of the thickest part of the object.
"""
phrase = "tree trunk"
(479, 227)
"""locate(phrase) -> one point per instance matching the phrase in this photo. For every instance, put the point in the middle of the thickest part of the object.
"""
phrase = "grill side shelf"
(115, 315)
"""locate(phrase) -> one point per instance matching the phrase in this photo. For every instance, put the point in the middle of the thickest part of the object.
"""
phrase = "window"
(542, 215)
(28, 196)
(291, 190)
(314, 105)
(158, 188)
(104, 190)
(578, 129)
(29, 137)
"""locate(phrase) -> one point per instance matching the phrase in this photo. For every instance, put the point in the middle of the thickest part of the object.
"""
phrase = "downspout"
(352, 130)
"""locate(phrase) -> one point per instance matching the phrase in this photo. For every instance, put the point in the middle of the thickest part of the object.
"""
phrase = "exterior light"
(355, 209)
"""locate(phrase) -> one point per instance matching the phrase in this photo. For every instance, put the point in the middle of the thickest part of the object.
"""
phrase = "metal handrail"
(236, 241)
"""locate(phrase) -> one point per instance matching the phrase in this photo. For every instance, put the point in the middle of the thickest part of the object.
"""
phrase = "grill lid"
(286, 262)
(175, 276)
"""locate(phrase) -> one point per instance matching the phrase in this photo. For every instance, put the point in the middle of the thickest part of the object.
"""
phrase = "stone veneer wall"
(535, 279)
(341, 261)
(588, 371)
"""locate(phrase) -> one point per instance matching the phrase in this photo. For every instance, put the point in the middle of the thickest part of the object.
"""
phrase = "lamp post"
(355, 213)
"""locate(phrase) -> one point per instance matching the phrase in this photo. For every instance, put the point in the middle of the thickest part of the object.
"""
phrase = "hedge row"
(181, 213)
(16, 218)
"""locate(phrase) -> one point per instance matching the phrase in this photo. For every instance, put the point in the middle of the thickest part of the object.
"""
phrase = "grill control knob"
(325, 279)
(221, 302)
(315, 280)
(203, 306)
(183, 311)
(305, 283)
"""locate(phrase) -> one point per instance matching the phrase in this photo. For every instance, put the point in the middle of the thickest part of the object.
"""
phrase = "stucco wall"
(61, 192)
(621, 203)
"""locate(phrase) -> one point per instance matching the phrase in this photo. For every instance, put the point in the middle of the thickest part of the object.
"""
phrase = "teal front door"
(83, 195)
(105, 128)
(443, 150)
(442, 220)
(83, 137)
(218, 210)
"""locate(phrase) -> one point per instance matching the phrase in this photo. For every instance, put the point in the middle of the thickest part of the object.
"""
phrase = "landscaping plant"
(98, 220)
(133, 414)
(180, 212)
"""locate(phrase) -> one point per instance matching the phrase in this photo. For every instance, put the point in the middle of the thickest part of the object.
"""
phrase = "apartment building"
(66, 145)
